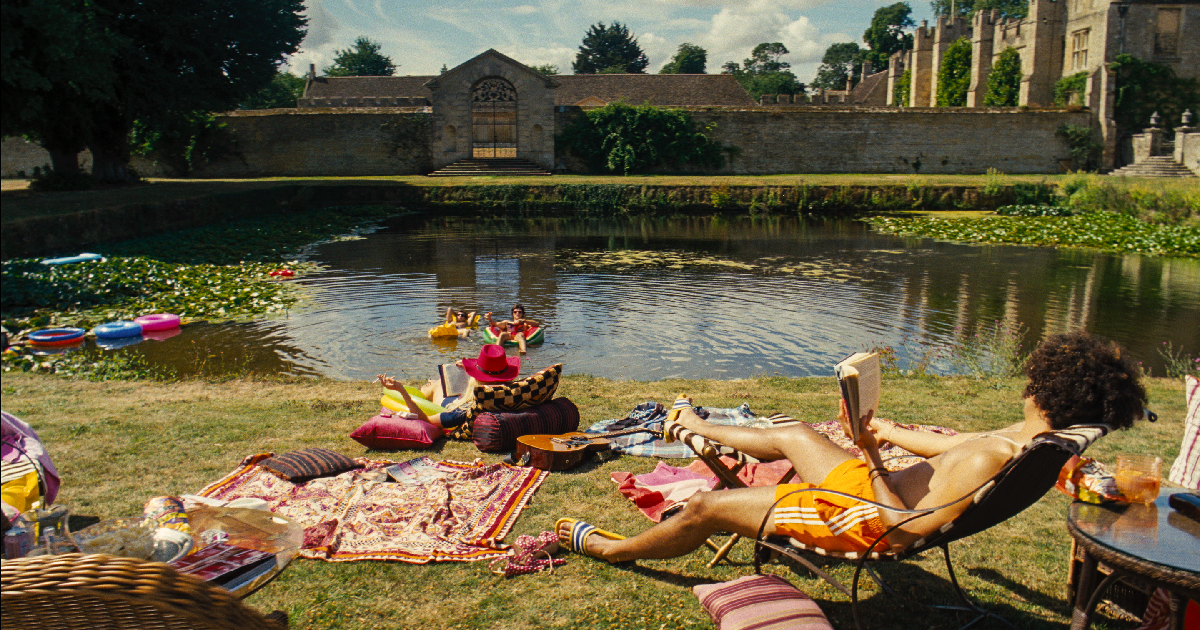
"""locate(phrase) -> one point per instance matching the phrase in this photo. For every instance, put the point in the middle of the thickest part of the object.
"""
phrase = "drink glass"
(1139, 477)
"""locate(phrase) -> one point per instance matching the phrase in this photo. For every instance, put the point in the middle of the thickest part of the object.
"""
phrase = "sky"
(422, 36)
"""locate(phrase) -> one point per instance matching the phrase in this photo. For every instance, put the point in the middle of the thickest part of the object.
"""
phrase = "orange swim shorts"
(829, 521)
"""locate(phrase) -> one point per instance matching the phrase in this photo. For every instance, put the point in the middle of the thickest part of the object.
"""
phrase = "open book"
(454, 379)
(859, 378)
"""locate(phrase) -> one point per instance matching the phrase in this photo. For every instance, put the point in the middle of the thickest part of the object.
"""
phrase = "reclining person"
(1074, 379)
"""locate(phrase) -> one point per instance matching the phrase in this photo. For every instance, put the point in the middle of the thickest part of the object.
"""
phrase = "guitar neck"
(626, 432)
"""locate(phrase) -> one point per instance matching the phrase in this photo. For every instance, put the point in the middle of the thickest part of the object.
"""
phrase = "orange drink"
(1139, 477)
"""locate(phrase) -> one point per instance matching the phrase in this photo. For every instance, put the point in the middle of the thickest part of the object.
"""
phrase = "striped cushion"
(305, 464)
(498, 432)
(762, 602)
(1186, 470)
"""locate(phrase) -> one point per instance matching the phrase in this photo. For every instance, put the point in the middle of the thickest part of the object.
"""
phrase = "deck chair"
(1019, 484)
(94, 591)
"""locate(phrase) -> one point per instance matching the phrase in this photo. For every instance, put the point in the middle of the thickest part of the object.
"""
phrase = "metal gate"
(494, 119)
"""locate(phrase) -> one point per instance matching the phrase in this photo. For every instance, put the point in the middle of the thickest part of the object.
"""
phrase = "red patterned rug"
(435, 511)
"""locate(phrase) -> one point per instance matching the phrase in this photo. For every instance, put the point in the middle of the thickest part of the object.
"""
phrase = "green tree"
(283, 91)
(1144, 88)
(903, 89)
(609, 50)
(841, 61)
(967, 8)
(361, 60)
(954, 77)
(546, 69)
(628, 139)
(689, 59)
(764, 72)
(887, 35)
(57, 63)
(1004, 81)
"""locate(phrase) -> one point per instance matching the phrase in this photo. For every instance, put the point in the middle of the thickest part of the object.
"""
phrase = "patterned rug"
(423, 511)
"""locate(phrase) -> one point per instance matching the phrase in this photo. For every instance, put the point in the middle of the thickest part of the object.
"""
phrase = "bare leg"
(521, 342)
(811, 454)
(740, 510)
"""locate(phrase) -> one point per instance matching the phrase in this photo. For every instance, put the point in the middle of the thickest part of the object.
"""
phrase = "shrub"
(903, 89)
(626, 139)
(1070, 90)
(954, 77)
(1004, 82)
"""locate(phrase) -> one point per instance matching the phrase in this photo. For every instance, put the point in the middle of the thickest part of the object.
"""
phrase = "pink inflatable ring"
(158, 321)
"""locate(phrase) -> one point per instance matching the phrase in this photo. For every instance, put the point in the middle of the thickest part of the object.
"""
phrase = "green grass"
(116, 444)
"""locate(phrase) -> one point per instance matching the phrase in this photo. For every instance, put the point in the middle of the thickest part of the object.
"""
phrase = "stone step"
(1156, 166)
(511, 167)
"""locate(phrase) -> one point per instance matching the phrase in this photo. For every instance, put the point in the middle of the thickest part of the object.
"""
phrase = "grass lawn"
(119, 443)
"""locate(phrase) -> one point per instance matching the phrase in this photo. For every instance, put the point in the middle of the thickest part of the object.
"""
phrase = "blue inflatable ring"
(117, 330)
(56, 336)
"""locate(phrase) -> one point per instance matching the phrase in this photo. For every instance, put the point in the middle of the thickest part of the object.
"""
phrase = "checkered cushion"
(518, 395)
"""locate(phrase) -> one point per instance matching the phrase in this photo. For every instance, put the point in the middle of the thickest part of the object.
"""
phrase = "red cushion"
(390, 433)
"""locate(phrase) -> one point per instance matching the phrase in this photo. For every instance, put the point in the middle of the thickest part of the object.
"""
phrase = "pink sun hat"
(493, 365)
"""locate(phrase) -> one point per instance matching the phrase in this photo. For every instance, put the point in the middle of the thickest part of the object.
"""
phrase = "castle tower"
(982, 54)
(1042, 58)
(897, 63)
(923, 69)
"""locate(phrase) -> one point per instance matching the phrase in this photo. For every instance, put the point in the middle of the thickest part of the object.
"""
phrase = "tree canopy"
(546, 68)
(143, 60)
(968, 8)
(609, 50)
(361, 60)
(626, 139)
(689, 59)
(764, 72)
(886, 35)
(954, 77)
(841, 61)
(284, 90)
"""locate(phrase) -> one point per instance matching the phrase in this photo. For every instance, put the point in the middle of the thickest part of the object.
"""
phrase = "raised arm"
(921, 443)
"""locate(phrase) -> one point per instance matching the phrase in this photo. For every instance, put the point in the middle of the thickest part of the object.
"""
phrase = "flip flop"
(681, 403)
(579, 533)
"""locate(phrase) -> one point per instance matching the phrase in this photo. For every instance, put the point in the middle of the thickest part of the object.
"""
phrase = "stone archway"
(493, 119)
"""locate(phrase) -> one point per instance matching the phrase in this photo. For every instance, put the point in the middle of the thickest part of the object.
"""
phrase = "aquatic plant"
(1033, 210)
(991, 351)
(1176, 363)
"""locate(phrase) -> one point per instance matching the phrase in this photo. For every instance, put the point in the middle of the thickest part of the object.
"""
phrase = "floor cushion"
(762, 602)
(298, 466)
(388, 432)
(497, 432)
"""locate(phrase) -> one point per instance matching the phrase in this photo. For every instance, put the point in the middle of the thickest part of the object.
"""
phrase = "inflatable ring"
(117, 330)
(394, 401)
(71, 259)
(444, 330)
(158, 321)
(533, 336)
(56, 336)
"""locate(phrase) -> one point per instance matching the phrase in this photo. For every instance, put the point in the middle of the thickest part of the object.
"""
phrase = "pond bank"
(37, 230)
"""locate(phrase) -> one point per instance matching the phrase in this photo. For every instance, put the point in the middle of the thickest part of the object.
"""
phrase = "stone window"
(1079, 46)
(1166, 33)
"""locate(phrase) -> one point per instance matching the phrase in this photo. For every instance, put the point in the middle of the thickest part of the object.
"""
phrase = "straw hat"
(493, 365)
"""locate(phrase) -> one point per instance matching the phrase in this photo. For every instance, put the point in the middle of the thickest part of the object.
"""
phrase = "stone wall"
(892, 140)
(323, 142)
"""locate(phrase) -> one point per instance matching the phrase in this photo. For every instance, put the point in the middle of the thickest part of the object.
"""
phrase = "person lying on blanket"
(1074, 378)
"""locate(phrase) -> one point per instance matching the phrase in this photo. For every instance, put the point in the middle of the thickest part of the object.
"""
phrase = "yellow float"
(394, 401)
(448, 329)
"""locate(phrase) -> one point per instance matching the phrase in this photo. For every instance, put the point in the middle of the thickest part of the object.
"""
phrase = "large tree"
(1004, 81)
(887, 34)
(840, 62)
(764, 72)
(610, 50)
(689, 59)
(361, 60)
(954, 77)
(158, 59)
(283, 91)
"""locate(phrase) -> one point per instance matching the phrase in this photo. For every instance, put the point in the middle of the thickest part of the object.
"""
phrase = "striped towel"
(1186, 470)
(649, 445)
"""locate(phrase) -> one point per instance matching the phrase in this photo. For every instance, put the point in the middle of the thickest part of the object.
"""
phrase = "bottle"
(19, 540)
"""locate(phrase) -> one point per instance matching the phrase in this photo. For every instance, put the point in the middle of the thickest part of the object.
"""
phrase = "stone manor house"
(491, 106)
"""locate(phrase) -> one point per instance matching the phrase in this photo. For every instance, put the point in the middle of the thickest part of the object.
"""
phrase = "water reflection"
(694, 297)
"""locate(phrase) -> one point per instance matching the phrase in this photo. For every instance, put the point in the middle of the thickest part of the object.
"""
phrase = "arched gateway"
(493, 119)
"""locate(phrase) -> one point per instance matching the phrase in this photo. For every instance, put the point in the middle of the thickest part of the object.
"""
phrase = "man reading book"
(1074, 379)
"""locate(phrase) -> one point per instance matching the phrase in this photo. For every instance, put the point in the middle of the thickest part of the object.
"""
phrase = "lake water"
(721, 298)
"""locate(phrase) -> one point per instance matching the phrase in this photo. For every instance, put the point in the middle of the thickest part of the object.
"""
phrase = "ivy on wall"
(1004, 82)
(902, 90)
(1145, 87)
(1070, 90)
(625, 139)
(954, 77)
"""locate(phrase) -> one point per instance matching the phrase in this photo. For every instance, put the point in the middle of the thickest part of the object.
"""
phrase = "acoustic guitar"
(566, 451)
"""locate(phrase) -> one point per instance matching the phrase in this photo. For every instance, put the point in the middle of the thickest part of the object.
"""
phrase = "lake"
(713, 297)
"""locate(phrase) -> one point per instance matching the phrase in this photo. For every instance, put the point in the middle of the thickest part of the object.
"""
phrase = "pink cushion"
(763, 602)
(391, 433)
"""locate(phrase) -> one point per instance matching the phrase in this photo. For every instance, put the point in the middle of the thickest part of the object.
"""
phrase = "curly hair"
(1077, 378)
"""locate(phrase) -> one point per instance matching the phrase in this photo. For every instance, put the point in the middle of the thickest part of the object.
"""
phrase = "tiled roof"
(680, 90)
(392, 87)
(871, 90)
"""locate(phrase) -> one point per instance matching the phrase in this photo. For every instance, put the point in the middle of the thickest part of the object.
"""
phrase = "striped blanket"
(436, 511)
(651, 415)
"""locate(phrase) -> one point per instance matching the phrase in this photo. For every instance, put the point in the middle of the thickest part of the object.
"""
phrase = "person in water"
(491, 367)
(514, 329)
(462, 320)
(1074, 379)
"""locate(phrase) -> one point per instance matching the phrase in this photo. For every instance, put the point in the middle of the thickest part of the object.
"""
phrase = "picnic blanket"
(666, 487)
(437, 511)
(650, 415)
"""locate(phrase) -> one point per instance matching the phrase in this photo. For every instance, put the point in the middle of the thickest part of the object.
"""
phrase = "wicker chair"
(97, 591)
